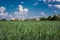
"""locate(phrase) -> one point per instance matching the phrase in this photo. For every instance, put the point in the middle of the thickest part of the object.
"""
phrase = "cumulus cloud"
(16, 14)
(2, 9)
(20, 13)
(57, 6)
(25, 10)
(22, 10)
(3, 14)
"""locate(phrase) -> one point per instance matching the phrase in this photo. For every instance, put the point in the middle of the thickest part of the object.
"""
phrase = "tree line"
(49, 18)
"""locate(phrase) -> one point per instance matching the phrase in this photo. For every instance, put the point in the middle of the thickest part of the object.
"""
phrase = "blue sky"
(28, 8)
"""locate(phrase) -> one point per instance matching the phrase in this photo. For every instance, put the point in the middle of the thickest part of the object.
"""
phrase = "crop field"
(29, 30)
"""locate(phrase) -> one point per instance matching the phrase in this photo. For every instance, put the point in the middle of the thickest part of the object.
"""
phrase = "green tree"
(49, 18)
(3, 20)
(43, 18)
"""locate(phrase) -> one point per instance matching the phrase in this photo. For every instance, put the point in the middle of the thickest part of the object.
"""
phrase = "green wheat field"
(29, 30)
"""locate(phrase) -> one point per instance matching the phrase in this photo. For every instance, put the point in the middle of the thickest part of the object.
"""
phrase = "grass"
(29, 30)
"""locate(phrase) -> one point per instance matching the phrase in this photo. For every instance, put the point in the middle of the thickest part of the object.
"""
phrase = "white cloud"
(37, 18)
(55, 11)
(50, 5)
(3, 14)
(44, 0)
(16, 14)
(42, 13)
(53, 0)
(22, 2)
(10, 16)
(57, 6)
(22, 10)
(25, 10)
(2, 9)
(49, 0)
(35, 3)
(58, 0)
